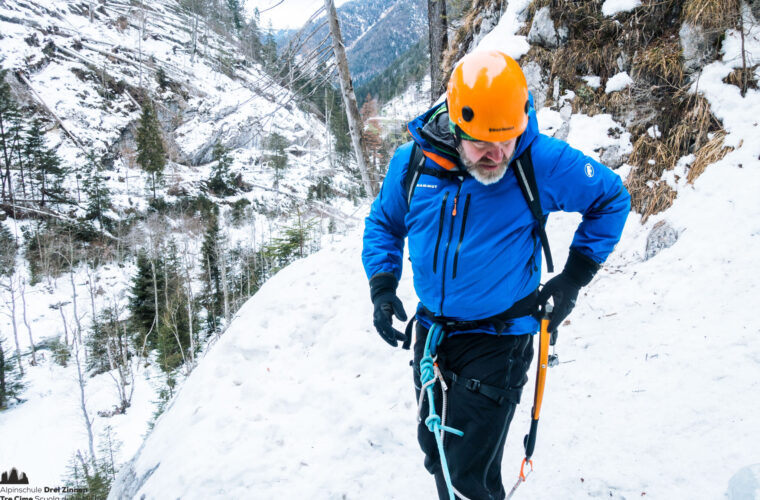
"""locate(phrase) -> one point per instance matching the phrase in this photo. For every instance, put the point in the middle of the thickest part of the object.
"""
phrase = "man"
(475, 248)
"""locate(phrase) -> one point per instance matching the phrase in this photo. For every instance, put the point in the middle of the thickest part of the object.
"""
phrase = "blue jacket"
(474, 248)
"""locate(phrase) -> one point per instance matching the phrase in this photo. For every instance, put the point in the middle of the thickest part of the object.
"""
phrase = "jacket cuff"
(382, 283)
(580, 268)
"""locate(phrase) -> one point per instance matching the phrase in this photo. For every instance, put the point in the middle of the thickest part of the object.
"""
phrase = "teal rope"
(433, 421)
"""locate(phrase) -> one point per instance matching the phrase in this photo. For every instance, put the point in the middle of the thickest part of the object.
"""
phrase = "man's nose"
(495, 154)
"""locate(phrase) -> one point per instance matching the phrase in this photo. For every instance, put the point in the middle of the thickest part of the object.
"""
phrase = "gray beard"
(485, 177)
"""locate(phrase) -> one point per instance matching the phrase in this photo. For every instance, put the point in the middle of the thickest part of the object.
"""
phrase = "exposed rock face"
(613, 157)
(542, 31)
(698, 46)
(661, 237)
(537, 84)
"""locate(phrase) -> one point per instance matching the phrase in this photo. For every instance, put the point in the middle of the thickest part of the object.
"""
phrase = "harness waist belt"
(500, 322)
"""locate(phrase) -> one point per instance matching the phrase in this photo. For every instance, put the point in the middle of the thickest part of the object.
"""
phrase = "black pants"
(475, 459)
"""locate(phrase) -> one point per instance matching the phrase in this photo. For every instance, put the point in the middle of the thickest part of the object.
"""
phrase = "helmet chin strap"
(457, 136)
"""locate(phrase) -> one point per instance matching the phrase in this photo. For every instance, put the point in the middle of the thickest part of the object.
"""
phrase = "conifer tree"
(142, 300)
(251, 37)
(44, 165)
(11, 380)
(105, 334)
(151, 155)
(8, 251)
(278, 158)
(174, 333)
(10, 130)
(221, 182)
(269, 50)
(212, 294)
(236, 14)
(98, 194)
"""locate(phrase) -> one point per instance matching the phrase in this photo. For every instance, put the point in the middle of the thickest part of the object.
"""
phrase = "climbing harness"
(429, 373)
(544, 362)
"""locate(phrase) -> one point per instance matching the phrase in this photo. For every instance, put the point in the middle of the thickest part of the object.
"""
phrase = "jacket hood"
(431, 131)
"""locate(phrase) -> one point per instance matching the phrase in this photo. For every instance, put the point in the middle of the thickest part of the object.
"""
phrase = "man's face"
(486, 161)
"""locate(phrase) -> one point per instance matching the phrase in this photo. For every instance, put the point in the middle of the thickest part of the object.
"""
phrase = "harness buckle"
(473, 385)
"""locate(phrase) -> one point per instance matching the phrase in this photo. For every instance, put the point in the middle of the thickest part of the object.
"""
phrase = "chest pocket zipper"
(461, 235)
(440, 231)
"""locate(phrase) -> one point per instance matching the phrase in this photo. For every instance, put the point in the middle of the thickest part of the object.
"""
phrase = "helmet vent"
(467, 113)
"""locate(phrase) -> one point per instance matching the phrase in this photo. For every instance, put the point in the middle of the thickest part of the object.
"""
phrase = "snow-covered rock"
(613, 7)
(618, 82)
(542, 31)
(697, 45)
(662, 236)
(745, 484)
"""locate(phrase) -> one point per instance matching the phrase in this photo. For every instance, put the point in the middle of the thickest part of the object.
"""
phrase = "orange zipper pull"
(454, 212)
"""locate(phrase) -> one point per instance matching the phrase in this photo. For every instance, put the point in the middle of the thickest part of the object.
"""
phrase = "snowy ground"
(654, 395)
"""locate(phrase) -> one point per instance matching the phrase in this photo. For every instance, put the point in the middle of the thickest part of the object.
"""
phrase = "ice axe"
(545, 339)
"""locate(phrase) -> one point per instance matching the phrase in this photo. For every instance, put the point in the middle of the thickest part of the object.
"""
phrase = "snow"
(593, 81)
(652, 396)
(301, 399)
(618, 82)
(591, 133)
(613, 7)
(503, 37)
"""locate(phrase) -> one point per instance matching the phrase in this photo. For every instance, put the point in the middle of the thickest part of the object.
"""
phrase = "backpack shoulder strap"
(416, 163)
(526, 179)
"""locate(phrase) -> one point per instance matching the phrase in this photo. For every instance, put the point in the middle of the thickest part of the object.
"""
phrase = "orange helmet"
(488, 97)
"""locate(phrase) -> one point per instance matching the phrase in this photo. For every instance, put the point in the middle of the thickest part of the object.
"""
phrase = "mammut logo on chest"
(430, 186)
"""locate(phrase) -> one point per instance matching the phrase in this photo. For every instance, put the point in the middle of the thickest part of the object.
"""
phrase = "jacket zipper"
(461, 235)
(440, 231)
(448, 241)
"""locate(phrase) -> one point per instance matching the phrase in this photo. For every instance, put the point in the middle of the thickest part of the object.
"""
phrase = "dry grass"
(652, 157)
(708, 154)
(661, 62)
(743, 78)
(712, 15)
(649, 198)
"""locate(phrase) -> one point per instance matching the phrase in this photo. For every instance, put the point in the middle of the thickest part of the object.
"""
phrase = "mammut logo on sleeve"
(589, 170)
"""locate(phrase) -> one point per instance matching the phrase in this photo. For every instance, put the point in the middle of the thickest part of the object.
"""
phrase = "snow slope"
(655, 395)
(301, 399)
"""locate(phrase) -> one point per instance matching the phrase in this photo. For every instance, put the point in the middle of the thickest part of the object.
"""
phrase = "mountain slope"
(375, 33)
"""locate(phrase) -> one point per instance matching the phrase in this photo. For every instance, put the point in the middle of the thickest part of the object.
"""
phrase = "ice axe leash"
(544, 362)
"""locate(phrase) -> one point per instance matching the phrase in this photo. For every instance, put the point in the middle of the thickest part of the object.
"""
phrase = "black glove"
(383, 291)
(563, 289)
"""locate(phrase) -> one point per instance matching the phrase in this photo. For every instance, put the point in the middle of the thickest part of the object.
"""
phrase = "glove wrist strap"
(382, 283)
(580, 269)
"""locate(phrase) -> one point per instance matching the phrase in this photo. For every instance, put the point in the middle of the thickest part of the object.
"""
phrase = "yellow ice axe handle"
(543, 365)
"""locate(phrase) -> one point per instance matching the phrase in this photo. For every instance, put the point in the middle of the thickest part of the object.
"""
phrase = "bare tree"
(59, 306)
(83, 403)
(117, 349)
(22, 289)
(437, 32)
(349, 98)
